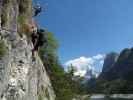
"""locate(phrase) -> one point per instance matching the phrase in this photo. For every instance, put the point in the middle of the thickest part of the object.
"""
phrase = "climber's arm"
(35, 42)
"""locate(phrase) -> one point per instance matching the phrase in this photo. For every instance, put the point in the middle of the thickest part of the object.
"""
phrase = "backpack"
(42, 36)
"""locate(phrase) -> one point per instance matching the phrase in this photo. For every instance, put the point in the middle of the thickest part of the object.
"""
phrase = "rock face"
(20, 77)
(109, 61)
(120, 68)
(90, 74)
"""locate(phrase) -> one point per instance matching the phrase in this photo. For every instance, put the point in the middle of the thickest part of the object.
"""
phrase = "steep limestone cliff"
(20, 77)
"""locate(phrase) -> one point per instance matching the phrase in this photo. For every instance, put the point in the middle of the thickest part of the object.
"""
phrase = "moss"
(21, 19)
(43, 93)
(23, 26)
(24, 17)
(21, 23)
(5, 12)
(25, 9)
(24, 6)
(47, 93)
(40, 97)
(6, 1)
(3, 49)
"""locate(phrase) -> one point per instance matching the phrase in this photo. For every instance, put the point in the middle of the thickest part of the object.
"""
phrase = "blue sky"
(89, 27)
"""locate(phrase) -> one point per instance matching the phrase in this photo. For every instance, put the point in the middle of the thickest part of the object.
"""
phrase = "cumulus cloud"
(82, 64)
(99, 57)
(101, 62)
(80, 73)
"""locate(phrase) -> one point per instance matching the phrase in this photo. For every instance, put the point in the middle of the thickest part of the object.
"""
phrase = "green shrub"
(21, 19)
(65, 88)
(3, 49)
(6, 1)
(40, 97)
(24, 16)
(23, 27)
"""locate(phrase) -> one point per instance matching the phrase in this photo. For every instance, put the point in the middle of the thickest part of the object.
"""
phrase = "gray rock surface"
(109, 61)
(20, 78)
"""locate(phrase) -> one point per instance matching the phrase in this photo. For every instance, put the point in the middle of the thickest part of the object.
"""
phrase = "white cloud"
(101, 62)
(99, 57)
(82, 64)
(80, 72)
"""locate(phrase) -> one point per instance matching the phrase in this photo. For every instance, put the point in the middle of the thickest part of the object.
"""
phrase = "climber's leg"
(36, 13)
(37, 10)
(33, 55)
(34, 50)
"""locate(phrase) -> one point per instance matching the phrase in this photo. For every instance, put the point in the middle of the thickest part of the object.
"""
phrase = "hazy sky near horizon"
(86, 28)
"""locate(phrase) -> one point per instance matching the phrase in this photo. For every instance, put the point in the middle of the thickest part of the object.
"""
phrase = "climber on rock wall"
(39, 38)
(37, 9)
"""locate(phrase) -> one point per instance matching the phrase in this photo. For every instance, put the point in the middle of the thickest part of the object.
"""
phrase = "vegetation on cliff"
(65, 88)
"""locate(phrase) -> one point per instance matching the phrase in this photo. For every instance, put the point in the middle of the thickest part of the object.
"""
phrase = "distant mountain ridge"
(117, 67)
(109, 61)
(116, 76)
